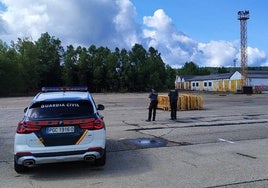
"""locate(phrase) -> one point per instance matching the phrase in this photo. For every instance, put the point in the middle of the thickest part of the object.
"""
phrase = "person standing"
(173, 101)
(153, 97)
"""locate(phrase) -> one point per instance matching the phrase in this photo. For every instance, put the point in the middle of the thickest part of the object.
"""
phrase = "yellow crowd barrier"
(185, 102)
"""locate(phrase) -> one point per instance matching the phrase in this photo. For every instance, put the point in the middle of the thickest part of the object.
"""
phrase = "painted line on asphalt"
(223, 140)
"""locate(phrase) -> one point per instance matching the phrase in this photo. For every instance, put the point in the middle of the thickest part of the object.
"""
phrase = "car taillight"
(27, 127)
(95, 124)
(24, 153)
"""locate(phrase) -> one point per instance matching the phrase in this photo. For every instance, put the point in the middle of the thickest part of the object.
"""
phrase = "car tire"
(20, 168)
(101, 161)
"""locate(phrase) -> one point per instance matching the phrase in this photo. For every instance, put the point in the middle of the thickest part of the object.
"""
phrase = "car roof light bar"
(69, 88)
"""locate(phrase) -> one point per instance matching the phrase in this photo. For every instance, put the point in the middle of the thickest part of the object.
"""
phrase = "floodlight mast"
(243, 16)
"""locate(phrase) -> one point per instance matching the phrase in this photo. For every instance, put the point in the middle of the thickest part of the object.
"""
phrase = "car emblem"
(60, 122)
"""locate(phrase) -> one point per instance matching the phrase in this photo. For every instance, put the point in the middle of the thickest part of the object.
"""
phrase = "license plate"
(56, 130)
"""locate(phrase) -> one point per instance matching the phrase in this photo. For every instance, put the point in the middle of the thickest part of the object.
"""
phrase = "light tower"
(243, 16)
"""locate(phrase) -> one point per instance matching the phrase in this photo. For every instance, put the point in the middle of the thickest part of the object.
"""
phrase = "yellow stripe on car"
(82, 137)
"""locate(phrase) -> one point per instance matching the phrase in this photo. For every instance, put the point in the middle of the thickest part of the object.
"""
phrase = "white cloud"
(159, 20)
(159, 32)
(177, 48)
(217, 53)
(99, 22)
(256, 57)
(112, 24)
(21, 21)
(125, 23)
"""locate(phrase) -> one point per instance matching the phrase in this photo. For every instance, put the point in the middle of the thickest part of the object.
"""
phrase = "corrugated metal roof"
(208, 77)
(251, 74)
(257, 74)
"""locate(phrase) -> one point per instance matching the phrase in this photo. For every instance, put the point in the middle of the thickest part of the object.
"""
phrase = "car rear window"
(64, 109)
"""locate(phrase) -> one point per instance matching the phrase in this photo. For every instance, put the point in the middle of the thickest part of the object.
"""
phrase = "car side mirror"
(100, 107)
(25, 109)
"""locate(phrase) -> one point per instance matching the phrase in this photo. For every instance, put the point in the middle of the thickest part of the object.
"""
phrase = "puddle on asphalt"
(147, 142)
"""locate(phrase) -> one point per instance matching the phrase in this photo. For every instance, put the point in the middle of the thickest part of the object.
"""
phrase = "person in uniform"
(173, 100)
(153, 105)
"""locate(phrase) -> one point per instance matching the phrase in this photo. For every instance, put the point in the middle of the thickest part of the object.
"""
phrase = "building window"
(193, 84)
(210, 84)
(205, 84)
(197, 84)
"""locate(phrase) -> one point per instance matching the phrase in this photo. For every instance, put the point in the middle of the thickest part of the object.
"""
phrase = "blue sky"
(204, 31)
(206, 20)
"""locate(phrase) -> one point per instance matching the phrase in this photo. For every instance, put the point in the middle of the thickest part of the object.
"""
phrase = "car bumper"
(45, 158)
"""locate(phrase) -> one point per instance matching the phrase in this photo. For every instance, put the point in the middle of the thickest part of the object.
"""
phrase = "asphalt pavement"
(223, 145)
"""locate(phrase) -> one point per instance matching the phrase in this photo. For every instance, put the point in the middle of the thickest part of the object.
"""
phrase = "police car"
(61, 124)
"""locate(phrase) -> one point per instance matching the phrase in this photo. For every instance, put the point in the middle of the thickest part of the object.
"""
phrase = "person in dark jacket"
(173, 100)
(153, 97)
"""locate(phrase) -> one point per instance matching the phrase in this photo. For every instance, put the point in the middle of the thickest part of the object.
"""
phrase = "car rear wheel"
(101, 161)
(20, 168)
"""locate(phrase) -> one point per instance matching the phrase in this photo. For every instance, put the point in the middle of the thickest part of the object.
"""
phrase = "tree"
(28, 63)
(10, 81)
(156, 69)
(50, 53)
(170, 77)
(140, 74)
(222, 70)
(70, 68)
(100, 69)
(189, 68)
(126, 71)
(113, 72)
(85, 70)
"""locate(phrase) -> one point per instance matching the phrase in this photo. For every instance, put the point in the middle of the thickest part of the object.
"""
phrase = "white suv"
(60, 125)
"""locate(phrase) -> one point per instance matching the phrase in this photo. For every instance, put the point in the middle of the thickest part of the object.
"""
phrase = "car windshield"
(64, 109)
